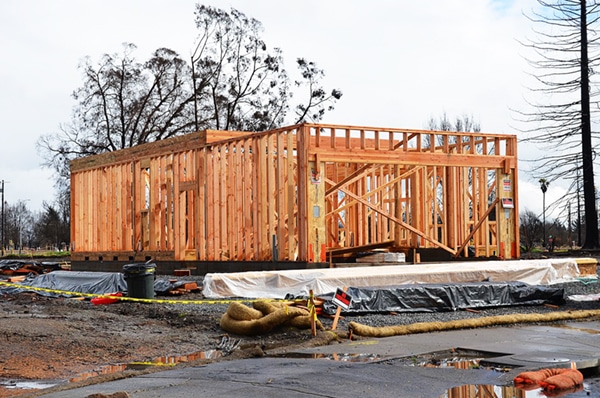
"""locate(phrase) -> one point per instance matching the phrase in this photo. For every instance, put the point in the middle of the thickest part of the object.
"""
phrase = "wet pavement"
(387, 367)
(518, 346)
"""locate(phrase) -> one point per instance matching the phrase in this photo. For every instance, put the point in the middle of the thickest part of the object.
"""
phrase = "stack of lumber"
(382, 258)
(185, 287)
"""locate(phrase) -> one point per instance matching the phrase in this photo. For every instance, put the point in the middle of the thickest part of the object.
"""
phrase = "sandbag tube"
(426, 327)
(263, 318)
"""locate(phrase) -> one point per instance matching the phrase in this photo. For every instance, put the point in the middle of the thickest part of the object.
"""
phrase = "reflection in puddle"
(459, 359)
(475, 391)
(26, 384)
(485, 391)
(111, 369)
(159, 361)
(464, 361)
(577, 329)
(454, 362)
(332, 357)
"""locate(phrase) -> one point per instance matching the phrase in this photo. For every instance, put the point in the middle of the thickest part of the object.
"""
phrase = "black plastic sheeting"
(445, 297)
(71, 281)
(82, 282)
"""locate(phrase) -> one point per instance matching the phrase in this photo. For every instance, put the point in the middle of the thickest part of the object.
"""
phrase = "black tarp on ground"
(82, 282)
(71, 281)
(445, 297)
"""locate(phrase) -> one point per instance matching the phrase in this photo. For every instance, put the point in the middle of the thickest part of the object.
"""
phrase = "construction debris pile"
(21, 268)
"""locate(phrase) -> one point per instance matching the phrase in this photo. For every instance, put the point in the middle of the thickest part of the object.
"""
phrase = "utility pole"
(592, 240)
(570, 225)
(578, 211)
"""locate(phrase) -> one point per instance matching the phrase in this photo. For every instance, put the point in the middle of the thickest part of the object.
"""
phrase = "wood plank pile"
(382, 257)
(25, 267)
(184, 288)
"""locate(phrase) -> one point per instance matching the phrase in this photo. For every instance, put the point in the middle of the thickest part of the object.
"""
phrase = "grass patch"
(37, 255)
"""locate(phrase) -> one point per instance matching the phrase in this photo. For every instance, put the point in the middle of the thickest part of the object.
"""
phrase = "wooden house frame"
(303, 193)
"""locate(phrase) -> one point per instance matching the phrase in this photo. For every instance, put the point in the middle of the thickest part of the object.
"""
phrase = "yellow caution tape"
(140, 300)
(142, 363)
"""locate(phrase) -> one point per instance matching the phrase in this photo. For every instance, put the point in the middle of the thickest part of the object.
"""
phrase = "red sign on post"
(342, 299)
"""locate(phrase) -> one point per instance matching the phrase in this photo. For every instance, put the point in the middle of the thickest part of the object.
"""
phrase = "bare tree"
(464, 123)
(531, 229)
(241, 84)
(19, 224)
(122, 103)
(565, 55)
(233, 83)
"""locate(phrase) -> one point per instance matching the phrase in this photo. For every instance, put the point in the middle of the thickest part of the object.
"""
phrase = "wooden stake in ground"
(338, 313)
(313, 313)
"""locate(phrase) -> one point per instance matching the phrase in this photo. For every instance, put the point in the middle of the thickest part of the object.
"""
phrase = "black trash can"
(140, 280)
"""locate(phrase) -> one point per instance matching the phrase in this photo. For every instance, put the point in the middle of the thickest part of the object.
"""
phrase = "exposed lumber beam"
(476, 227)
(400, 222)
(413, 158)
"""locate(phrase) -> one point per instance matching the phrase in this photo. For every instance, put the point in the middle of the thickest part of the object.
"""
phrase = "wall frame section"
(303, 193)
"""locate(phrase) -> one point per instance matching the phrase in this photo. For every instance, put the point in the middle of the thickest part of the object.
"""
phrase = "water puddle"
(483, 390)
(472, 360)
(459, 359)
(26, 384)
(332, 357)
(111, 369)
(159, 361)
(578, 329)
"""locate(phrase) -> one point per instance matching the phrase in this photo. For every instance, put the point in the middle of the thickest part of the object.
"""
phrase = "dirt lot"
(60, 339)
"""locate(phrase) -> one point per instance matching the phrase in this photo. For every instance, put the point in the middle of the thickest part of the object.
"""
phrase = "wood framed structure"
(301, 193)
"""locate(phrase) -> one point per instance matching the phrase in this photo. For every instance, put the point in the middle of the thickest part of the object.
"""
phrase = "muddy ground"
(59, 339)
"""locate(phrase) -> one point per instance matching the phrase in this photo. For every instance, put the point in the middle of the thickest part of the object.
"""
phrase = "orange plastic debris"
(106, 300)
(535, 377)
(551, 379)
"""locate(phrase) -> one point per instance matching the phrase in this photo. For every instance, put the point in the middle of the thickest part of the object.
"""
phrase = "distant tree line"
(563, 234)
(48, 229)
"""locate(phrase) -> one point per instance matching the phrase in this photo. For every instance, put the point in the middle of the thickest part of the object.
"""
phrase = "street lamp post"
(544, 186)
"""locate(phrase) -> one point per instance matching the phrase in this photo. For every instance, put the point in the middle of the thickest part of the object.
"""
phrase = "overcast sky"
(398, 63)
